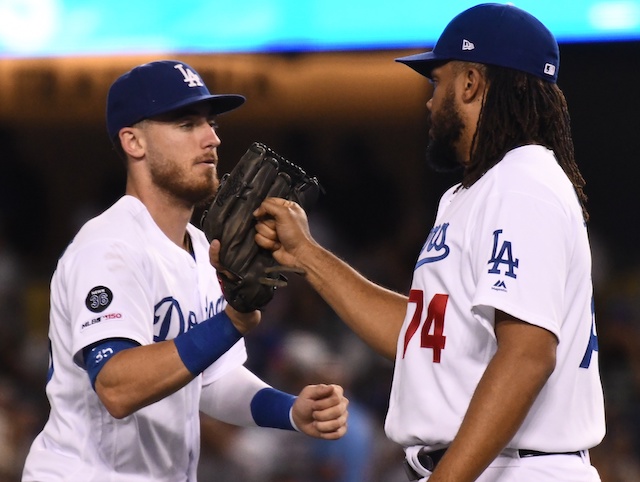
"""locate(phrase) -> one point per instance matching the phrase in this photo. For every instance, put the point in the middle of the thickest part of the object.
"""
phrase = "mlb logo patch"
(549, 69)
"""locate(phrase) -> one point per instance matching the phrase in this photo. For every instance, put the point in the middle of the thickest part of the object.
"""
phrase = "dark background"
(366, 159)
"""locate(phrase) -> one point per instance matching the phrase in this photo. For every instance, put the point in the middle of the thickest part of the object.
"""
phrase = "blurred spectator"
(619, 350)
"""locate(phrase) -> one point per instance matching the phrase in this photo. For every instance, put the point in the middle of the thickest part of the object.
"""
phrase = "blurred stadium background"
(323, 90)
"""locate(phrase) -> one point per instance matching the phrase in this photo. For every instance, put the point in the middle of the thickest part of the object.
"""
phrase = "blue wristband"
(271, 408)
(206, 342)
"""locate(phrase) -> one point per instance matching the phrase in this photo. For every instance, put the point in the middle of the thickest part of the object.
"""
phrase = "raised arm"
(374, 313)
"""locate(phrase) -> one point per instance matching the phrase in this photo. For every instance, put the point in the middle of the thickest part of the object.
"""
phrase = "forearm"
(371, 311)
(229, 398)
(136, 377)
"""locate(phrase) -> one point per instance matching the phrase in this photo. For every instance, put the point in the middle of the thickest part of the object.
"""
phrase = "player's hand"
(321, 411)
(244, 322)
(214, 257)
(283, 228)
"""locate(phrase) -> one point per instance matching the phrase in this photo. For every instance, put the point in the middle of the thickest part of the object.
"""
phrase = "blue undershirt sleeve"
(96, 355)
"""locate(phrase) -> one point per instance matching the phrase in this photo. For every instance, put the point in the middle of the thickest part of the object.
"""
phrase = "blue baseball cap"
(158, 88)
(494, 34)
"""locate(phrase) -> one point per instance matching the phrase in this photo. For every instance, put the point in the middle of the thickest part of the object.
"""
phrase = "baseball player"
(141, 338)
(496, 354)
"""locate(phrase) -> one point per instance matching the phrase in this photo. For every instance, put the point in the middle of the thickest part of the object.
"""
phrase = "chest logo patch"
(98, 299)
(435, 249)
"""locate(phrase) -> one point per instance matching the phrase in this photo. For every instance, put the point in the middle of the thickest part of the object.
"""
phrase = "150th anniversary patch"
(98, 299)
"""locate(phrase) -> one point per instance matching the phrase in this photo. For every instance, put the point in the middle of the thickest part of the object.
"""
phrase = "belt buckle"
(410, 471)
(427, 460)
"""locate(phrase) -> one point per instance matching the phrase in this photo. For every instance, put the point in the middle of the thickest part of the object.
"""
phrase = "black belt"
(429, 460)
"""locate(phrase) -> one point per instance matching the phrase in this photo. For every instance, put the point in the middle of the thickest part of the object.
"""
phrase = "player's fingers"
(329, 404)
(269, 206)
(335, 412)
(267, 242)
(267, 229)
(266, 236)
(274, 206)
(325, 394)
(214, 253)
(332, 429)
(269, 223)
(277, 201)
(214, 258)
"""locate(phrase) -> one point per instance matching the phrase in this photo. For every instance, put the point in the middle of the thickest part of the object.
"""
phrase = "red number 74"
(435, 317)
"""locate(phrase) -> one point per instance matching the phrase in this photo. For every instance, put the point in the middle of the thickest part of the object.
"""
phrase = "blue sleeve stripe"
(271, 408)
(97, 354)
(206, 342)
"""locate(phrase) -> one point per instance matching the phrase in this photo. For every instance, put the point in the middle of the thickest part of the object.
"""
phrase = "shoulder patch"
(98, 299)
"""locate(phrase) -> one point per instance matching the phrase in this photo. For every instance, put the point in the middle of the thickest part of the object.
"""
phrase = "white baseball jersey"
(122, 277)
(514, 241)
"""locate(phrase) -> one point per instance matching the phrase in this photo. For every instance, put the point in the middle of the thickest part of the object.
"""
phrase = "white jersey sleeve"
(526, 246)
(105, 293)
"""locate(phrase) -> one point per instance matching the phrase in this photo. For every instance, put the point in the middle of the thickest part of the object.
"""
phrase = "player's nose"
(211, 139)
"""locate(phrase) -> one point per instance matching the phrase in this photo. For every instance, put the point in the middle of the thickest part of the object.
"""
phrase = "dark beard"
(445, 131)
(205, 201)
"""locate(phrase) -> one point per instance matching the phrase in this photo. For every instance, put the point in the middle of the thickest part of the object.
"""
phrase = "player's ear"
(474, 83)
(132, 142)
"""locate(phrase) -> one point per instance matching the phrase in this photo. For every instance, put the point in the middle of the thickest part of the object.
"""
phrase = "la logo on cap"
(466, 45)
(190, 77)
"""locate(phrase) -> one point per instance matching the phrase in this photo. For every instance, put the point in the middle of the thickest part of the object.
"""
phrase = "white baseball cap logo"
(466, 45)
(549, 69)
(190, 77)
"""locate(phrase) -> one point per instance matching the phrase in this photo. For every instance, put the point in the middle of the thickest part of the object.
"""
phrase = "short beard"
(170, 177)
(446, 131)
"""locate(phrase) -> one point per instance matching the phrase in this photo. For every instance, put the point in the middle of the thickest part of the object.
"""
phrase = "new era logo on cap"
(494, 34)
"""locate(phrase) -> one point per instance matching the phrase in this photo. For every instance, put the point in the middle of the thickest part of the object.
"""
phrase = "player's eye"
(186, 124)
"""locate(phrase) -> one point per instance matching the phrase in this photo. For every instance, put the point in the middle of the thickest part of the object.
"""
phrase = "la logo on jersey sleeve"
(502, 260)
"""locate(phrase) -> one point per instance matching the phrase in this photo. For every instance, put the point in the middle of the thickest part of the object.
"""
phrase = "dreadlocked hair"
(519, 109)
